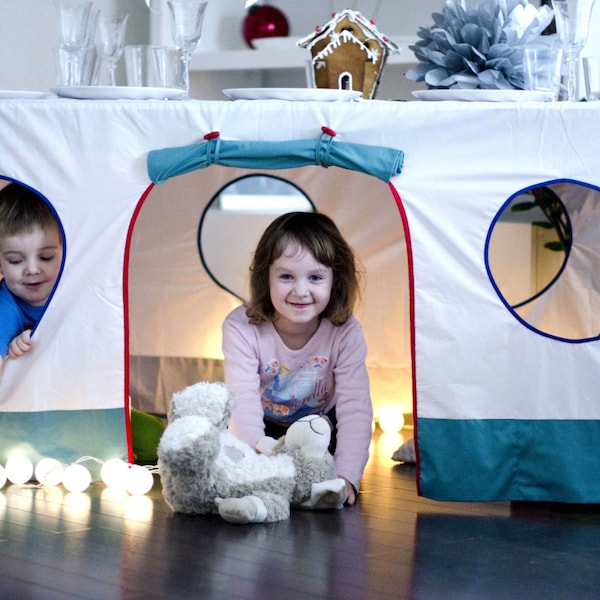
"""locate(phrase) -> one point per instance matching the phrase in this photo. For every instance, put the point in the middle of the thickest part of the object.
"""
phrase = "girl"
(295, 348)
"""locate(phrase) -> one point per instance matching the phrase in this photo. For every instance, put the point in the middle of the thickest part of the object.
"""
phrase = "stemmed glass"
(186, 28)
(572, 25)
(73, 22)
(110, 42)
(76, 25)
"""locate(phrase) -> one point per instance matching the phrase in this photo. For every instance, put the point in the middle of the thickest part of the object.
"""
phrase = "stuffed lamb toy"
(205, 469)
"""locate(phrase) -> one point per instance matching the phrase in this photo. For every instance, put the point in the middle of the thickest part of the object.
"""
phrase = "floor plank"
(392, 544)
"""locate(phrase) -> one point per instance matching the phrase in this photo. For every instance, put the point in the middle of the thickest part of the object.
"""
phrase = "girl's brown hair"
(319, 235)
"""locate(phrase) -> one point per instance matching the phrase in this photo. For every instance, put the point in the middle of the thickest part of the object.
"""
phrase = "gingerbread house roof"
(348, 52)
(367, 27)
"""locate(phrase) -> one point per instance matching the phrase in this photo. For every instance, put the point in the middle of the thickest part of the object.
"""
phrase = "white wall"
(29, 35)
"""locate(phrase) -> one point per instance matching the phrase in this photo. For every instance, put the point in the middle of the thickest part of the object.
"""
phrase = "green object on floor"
(146, 431)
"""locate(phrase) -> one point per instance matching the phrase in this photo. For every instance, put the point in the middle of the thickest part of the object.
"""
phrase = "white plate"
(485, 95)
(117, 92)
(6, 94)
(297, 94)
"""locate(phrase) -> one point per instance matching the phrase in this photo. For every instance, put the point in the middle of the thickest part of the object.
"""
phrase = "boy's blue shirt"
(15, 316)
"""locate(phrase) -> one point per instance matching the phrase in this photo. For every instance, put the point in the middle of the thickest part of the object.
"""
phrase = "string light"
(140, 481)
(19, 469)
(49, 472)
(116, 474)
(76, 478)
(391, 419)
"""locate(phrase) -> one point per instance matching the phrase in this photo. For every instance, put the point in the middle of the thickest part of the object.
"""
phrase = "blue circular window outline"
(513, 308)
(215, 199)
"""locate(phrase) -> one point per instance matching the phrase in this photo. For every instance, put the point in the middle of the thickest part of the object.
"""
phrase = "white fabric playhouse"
(503, 398)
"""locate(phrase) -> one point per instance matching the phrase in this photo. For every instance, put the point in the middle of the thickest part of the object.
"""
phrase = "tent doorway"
(176, 309)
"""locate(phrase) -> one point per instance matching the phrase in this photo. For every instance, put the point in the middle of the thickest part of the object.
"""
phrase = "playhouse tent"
(502, 410)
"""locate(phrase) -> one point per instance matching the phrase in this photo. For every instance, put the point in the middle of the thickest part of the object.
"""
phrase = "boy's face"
(30, 263)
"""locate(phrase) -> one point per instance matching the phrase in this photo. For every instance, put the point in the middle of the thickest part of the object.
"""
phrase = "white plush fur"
(206, 469)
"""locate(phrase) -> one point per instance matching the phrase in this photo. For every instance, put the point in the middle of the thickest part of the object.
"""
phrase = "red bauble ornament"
(264, 21)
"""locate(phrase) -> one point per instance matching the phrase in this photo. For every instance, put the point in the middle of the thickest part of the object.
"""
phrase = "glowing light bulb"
(2, 476)
(49, 472)
(76, 478)
(140, 481)
(19, 469)
(391, 419)
(115, 473)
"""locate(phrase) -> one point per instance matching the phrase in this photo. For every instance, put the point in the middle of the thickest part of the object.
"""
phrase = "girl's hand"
(350, 493)
(20, 345)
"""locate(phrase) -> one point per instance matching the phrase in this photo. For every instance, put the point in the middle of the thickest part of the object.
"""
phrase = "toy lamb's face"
(311, 433)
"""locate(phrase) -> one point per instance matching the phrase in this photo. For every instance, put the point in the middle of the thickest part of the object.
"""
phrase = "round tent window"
(543, 258)
(234, 220)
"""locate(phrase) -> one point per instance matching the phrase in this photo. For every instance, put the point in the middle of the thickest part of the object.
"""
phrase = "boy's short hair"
(22, 210)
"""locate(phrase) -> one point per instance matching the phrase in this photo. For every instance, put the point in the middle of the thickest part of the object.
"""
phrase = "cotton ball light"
(19, 469)
(2, 476)
(49, 472)
(140, 481)
(115, 473)
(391, 419)
(76, 478)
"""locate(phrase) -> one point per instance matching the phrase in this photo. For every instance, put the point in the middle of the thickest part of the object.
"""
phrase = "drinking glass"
(74, 67)
(186, 29)
(153, 66)
(186, 17)
(73, 22)
(591, 73)
(572, 25)
(110, 42)
(541, 68)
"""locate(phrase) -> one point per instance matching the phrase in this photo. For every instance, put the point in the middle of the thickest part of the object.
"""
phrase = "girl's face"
(300, 288)
(30, 263)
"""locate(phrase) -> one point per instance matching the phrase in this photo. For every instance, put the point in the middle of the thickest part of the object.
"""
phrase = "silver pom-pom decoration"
(479, 45)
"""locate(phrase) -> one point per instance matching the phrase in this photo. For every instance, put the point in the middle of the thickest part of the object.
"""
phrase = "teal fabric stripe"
(505, 459)
(65, 435)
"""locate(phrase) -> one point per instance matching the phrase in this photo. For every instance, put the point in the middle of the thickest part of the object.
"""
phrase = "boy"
(31, 252)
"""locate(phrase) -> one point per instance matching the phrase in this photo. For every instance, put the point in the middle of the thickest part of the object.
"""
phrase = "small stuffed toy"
(205, 469)
(406, 453)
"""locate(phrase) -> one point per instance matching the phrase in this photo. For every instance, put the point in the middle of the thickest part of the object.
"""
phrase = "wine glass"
(186, 28)
(73, 22)
(76, 29)
(110, 42)
(572, 25)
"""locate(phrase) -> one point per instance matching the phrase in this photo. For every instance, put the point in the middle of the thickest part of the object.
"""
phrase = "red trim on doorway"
(127, 406)
(411, 296)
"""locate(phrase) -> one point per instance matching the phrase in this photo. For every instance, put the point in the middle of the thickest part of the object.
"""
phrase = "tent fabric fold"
(381, 162)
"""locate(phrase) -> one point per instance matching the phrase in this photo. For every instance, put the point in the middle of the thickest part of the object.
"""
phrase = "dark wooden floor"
(393, 544)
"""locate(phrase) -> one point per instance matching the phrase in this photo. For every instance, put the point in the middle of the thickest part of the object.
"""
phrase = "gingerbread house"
(348, 53)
